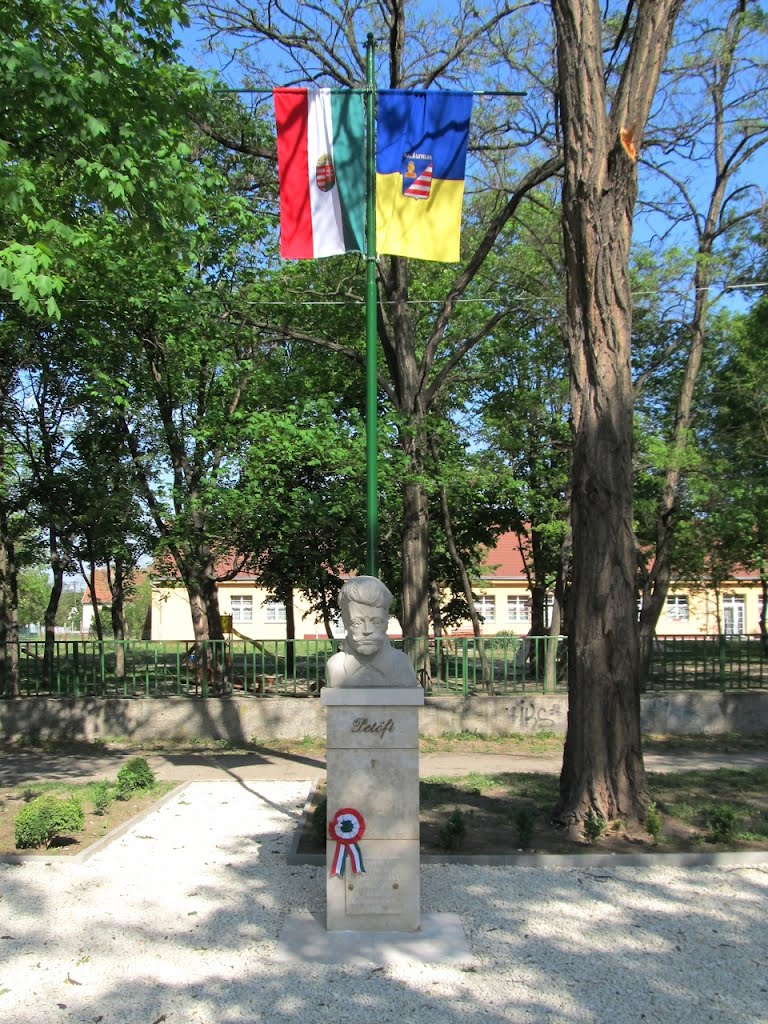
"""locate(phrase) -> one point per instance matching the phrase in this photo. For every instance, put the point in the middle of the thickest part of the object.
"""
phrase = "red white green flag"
(321, 166)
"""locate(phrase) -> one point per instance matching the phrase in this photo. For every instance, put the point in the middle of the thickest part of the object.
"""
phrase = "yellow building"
(503, 599)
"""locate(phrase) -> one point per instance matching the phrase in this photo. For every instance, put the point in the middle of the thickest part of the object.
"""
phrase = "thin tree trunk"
(325, 609)
(558, 616)
(90, 582)
(49, 619)
(453, 551)
(438, 631)
(415, 575)
(117, 581)
(290, 632)
(9, 619)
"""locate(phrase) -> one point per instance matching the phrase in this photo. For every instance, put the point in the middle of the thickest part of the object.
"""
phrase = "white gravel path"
(176, 922)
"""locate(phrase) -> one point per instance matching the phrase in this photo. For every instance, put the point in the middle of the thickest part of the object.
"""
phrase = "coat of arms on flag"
(325, 176)
(417, 175)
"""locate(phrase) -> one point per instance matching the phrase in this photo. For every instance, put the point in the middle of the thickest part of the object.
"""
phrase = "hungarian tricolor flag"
(321, 165)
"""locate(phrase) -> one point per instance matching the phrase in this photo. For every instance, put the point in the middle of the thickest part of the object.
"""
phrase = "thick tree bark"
(603, 768)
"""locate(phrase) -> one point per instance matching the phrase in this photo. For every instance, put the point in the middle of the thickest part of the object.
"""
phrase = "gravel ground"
(176, 922)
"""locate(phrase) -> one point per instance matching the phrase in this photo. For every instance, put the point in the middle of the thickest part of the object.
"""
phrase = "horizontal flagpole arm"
(365, 90)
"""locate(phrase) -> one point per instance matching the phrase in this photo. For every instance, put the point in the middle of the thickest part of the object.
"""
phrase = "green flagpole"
(371, 333)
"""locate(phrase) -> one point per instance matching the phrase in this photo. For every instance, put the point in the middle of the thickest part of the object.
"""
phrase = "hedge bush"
(135, 774)
(46, 818)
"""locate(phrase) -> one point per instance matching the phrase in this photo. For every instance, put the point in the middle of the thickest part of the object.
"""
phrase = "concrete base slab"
(304, 939)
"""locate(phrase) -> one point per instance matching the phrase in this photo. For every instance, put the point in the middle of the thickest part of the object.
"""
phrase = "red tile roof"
(504, 561)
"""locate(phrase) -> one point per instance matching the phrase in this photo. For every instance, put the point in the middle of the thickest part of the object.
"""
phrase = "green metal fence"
(262, 668)
(718, 662)
(132, 668)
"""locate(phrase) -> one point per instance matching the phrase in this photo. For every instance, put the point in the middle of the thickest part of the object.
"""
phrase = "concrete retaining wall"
(243, 719)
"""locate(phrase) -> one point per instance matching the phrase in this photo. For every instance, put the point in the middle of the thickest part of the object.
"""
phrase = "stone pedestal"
(373, 767)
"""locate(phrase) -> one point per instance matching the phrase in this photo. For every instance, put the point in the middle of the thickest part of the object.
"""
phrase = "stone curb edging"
(294, 857)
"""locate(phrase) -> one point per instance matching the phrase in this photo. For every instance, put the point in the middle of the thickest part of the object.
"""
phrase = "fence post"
(721, 653)
(76, 665)
(203, 668)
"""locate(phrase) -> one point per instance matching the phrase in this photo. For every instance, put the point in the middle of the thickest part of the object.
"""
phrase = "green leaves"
(94, 113)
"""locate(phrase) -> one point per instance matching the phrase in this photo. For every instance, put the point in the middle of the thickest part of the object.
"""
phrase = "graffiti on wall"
(528, 715)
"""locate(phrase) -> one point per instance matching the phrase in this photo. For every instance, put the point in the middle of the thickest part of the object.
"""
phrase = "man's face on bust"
(366, 627)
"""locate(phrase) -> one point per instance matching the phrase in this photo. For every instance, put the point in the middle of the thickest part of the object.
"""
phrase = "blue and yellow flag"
(421, 154)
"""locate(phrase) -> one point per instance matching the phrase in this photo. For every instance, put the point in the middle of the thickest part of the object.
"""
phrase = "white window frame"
(678, 608)
(518, 608)
(485, 605)
(734, 608)
(241, 606)
(274, 612)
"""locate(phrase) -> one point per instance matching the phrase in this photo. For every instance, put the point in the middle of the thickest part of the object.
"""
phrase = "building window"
(485, 605)
(677, 607)
(242, 609)
(274, 611)
(734, 614)
(518, 608)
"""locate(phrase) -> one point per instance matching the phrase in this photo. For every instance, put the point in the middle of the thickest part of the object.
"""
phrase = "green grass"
(697, 797)
(541, 789)
(87, 792)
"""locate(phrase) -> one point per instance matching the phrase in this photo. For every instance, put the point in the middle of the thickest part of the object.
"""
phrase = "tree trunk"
(9, 620)
(90, 582)
(49, 619)
(117, 581)
(415, 577)
(603, 769)
(438, 631)
(453, 551)
(558, 615)
(290, 632)
(396, 331)
(327, 617)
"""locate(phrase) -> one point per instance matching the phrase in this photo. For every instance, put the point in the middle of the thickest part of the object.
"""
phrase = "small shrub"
(653, 821)
(45, 819)
(722, 824)
(524, 822)
(134, 775)
(451, 835)
(102, 795)
(594, 826)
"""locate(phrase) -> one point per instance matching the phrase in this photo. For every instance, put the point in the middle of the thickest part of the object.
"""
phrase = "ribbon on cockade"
(347, 828)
